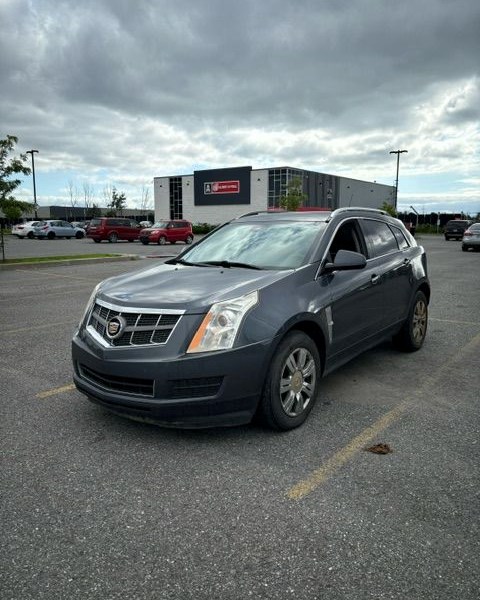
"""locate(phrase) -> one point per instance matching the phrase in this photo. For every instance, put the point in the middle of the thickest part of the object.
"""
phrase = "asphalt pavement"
(99, 507)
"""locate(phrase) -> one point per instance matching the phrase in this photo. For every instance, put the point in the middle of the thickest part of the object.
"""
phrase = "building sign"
(221, 187)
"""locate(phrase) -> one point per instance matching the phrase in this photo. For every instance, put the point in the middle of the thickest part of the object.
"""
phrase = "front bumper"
(190, 391)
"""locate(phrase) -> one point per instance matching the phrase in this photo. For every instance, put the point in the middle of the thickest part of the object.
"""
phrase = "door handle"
(375, 279)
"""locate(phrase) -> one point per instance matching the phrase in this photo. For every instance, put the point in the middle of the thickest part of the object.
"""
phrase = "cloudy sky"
(116, 92)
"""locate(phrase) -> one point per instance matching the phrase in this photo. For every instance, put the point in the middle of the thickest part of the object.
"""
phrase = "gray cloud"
(106, 84)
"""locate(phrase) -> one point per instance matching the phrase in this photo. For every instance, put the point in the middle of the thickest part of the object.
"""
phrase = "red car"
(167, 231)
(113, 229)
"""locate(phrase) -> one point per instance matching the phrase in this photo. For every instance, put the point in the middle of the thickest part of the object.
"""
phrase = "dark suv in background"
(251, 317)
(454, 229)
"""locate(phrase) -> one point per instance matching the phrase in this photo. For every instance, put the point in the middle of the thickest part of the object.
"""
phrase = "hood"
(179, 287)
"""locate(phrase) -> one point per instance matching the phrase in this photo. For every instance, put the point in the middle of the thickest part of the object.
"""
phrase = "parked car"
(113, 229)
(52, 229)
(251, 317)
(168, 231)
(23, 230)
(471, 238)
(454, 229)
(82, 224)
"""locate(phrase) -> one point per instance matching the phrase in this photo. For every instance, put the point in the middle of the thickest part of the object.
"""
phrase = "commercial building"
(217, 195)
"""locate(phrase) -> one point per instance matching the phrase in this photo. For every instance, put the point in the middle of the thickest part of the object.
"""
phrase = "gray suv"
(250, 318)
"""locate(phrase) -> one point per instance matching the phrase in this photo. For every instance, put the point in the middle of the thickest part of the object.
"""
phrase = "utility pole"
(32, 152)
(397, 152)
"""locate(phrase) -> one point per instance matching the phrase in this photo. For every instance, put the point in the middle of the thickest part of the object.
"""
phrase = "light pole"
(397, 152)
(32, 152)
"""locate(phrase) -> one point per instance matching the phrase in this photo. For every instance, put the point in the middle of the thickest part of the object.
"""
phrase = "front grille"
(141, 329)
(199, 387)
(126, 385)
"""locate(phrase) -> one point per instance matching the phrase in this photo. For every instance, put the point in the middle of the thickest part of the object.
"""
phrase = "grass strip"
(35, 259)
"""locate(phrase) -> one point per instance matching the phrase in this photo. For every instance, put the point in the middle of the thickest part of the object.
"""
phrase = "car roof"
(313, 215)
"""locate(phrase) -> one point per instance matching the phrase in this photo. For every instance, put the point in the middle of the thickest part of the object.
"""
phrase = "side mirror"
(345, 260)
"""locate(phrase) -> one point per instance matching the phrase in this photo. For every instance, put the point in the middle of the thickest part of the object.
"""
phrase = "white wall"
(210, 214)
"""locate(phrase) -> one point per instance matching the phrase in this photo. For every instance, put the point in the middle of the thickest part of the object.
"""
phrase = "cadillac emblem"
(115, 327)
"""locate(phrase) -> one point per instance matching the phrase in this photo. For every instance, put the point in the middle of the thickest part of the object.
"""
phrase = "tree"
(88, 192)
(12, 208)
(118, 202)
(389, 209)
(293, 196)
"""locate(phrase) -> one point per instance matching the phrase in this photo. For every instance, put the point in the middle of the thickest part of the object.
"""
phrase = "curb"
(67, 262)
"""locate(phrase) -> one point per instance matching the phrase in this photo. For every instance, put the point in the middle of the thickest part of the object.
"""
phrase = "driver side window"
(347, 237)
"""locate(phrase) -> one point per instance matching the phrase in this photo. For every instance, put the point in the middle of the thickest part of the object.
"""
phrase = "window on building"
(176, 199)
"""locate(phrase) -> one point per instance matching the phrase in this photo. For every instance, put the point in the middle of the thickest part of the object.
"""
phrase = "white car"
(23, 230)
(52, 229)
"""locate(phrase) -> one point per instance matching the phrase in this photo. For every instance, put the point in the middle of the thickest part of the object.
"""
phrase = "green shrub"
(202, 228)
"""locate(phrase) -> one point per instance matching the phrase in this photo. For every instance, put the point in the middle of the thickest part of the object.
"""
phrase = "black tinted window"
(401, 239)
(380, 238)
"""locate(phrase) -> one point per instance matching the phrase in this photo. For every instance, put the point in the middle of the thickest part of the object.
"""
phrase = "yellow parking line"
(318, 476)
(54, 392)
(34, 327)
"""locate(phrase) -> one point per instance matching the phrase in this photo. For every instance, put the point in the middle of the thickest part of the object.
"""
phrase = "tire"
(51, 235)
(96, 241)
(145, 242)
(464, 248)
(446, 238)
(173, 242)
(29, 235)
(189, 239)
(113, 238)
(412, 335)
(162, 240)
(297, 364)
(79, 235)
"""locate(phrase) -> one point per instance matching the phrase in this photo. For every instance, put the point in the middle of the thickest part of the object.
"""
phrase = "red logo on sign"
(221, 187)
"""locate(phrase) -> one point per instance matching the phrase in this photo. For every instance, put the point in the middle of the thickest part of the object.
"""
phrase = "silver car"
(52, 229)
(471, 238)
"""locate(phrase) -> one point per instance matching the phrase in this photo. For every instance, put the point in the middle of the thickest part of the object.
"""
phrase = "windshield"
(160, 225)
(265, 245)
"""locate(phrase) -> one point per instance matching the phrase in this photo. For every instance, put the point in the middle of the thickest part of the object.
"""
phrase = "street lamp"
(32, 152)
(397, 152)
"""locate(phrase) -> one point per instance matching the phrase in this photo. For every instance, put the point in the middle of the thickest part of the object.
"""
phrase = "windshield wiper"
(228, 264)
(181, 261)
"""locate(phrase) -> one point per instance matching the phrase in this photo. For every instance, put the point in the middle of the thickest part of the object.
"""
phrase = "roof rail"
(356, 209)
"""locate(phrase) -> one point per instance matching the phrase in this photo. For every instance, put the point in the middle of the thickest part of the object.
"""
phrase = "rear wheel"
(51, 235)
(412, 335)
(29, 235)
(113, 237)
(162, 240)
(291, 386)
(189, 239)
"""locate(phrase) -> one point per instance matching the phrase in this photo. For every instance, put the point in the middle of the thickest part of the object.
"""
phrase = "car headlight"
(220, 326)
(89, 305)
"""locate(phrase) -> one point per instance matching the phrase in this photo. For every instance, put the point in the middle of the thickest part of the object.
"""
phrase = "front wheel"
(51, 235)
(464, 248)
(291, 386)
(412, 335)
(189, 239)
(79, 235)
(29, 235)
